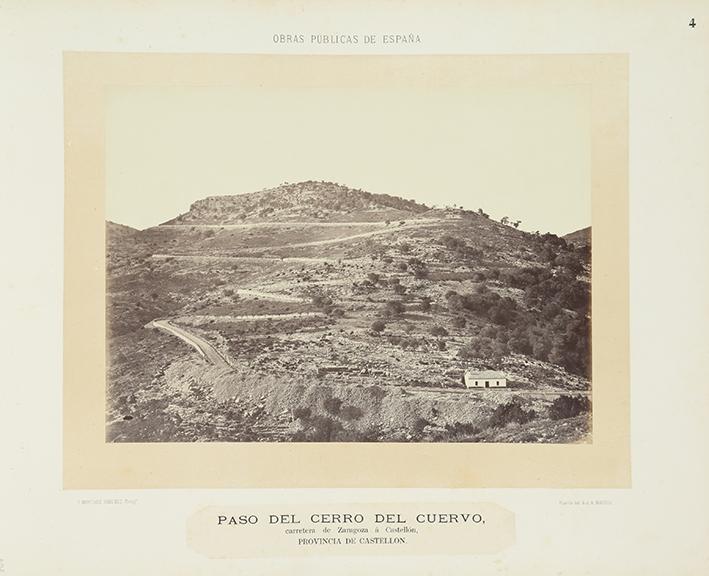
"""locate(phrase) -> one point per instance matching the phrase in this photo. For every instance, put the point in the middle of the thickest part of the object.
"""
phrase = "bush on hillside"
(568, 407)
(378, 326)
(350, 413)
(332, 405)
(394, 308)
(302, 413)
(511, 412)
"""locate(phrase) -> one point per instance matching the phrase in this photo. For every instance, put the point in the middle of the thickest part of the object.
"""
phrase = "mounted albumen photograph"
(349, 249)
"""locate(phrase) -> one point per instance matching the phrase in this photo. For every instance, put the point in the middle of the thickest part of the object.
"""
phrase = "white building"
(485, 379)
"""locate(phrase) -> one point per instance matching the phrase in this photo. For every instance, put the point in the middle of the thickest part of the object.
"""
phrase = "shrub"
(454, 301)
(378, 326)
(418, 267)
(321, 301)
(419, 425)
(568, 407)
(511, 412)
(332, 405)
(302, 413)
(351, 413)
(376, 392)
(485, 348)
(459, 321)
(319, 429)
(439, 331)
(394, 308)
(460, 247)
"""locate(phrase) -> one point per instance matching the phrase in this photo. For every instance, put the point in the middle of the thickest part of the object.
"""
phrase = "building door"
(487, 383)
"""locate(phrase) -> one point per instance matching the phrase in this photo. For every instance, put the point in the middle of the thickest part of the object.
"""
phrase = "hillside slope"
(314, 292)
(303, 201)
(580, 237)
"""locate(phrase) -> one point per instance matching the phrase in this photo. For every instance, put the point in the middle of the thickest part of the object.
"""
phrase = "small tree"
(418, 267)
(458, 321)
(394, 308)
(378, 326)
(351, 413)
(302, 413)
(568, 407)
(511, 412)
(332, 405)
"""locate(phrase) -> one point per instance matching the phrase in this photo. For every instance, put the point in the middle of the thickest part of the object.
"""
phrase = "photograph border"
(91, 462)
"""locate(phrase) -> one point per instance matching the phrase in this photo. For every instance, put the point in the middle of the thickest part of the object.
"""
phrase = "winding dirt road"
(205, 348)
(200, 344)
(249, 259)
(284, 224)
(387, 230)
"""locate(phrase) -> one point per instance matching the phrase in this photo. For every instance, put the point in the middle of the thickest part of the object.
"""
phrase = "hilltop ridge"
(342, 315)
(310, 200)
(580, 237)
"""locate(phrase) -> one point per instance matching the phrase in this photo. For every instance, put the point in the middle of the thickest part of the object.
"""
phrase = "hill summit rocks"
(303, 201)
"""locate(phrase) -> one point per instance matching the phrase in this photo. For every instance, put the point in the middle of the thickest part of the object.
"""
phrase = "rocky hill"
(344, 315)
(580, 237)
(303, 201)
(119, 232)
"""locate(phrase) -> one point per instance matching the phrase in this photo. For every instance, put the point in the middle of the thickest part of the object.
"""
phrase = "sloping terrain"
(346, 315)
(304, 201)
(580, 237)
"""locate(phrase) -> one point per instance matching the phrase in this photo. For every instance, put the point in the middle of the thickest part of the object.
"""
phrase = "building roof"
(484, 374)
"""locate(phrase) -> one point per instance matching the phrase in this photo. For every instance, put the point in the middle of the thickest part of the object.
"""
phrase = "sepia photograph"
(354, 288)
(392, 253)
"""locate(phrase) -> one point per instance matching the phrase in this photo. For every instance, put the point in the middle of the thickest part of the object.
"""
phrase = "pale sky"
(516, 151)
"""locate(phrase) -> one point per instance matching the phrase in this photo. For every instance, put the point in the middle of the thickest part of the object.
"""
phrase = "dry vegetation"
(353, 322)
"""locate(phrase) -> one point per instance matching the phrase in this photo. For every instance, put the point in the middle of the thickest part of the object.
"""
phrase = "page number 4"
(692, 23)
